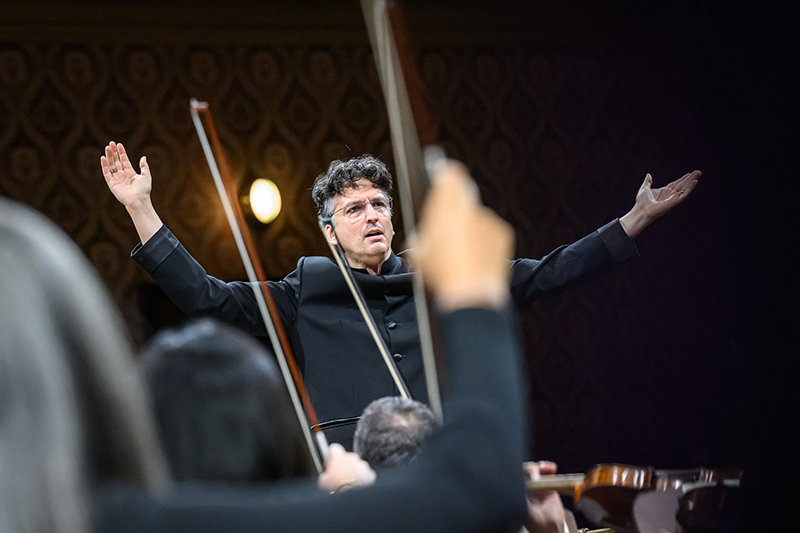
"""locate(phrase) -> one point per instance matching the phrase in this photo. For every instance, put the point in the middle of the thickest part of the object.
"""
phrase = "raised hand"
(131, 189)
(127, 186)
(654, 203)
(463, 248)
(657, 202)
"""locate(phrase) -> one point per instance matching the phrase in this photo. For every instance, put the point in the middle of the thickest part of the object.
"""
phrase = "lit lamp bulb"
(265, 200)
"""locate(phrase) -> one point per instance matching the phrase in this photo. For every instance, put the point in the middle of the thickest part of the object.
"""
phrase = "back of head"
(391, 431)
(222, 407)
(72, 409)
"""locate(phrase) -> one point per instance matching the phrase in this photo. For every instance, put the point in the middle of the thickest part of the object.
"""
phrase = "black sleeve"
(198, 294)
(566, 265)
(468, 478)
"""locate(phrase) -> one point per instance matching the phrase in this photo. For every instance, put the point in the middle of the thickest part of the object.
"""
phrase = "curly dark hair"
(343, 174)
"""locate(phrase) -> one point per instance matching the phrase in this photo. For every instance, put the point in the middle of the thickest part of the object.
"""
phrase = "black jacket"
(341, 366)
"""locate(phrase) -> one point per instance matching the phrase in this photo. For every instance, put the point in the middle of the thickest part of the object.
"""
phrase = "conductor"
(341, 367)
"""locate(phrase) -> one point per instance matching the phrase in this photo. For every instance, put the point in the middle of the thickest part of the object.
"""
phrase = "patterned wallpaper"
(558, 135)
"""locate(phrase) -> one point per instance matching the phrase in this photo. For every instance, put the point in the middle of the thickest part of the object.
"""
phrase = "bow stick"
(258, 282)
(398, 80)
(339, 256)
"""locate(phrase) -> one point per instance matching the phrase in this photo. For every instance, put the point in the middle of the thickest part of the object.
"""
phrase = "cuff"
(152, 253)
(619, 245)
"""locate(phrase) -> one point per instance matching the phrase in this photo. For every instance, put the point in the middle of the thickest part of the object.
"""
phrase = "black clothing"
(341, 366)
(467, 478)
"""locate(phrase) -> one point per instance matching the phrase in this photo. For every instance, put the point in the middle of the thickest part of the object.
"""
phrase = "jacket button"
(391, 325)
(398, 357)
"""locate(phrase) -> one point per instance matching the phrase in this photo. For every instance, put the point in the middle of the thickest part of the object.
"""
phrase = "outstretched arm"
(468, 477)
(594, 253)
(653, 203)
(131, 189)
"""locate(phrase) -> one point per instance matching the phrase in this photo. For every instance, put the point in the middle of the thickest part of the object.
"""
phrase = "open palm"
(657, 202)
(127, 186)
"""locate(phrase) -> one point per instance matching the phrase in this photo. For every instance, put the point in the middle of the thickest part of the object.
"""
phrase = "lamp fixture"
(265, 200)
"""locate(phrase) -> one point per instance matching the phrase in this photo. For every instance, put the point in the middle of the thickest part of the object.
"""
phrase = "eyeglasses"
(355, 212)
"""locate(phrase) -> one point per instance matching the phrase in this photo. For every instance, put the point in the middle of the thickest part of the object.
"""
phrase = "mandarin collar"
(392, 265)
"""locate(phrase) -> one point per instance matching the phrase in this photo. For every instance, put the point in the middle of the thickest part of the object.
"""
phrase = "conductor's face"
(363, 226)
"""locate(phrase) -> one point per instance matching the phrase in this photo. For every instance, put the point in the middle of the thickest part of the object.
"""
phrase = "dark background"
(559, 109)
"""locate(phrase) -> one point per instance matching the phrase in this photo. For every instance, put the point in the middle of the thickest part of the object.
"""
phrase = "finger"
(679, 181)
(682, 182)
(106, 167)
(454, 181)
(683, 187)
(686, 189)
(111, 152)
(144, 167)
(647, 183)
(123, 155)
(336, 449)
(685, 180)
(690, 176)
(531, 470)
(691, 180)
(547, 468)
(114, 156)
(125, 163)
(450, 193)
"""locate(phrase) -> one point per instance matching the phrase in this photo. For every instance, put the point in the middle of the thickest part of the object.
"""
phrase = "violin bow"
(399, 81)
(341, 259)
(258, 282)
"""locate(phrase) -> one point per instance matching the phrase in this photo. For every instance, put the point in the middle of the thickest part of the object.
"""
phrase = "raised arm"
(595, 253)
(653, 203)
(131, 189)
(170, 265)
(468, 477)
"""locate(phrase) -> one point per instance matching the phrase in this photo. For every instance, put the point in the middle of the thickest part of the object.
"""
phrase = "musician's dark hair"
(222, 406)
(392, 430)
(343, 174)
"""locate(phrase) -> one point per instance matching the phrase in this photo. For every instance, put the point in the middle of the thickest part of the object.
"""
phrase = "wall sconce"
(264, 200)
